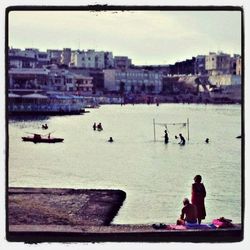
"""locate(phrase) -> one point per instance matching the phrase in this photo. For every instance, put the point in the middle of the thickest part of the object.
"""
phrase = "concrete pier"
(79, 215)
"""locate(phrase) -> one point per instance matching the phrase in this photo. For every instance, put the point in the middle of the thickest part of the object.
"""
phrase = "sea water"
(155, 176)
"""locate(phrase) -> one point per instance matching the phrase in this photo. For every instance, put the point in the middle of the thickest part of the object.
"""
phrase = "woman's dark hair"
(197, 178)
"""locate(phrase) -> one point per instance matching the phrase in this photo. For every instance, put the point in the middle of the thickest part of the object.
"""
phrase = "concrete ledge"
(120, 233)
(70, 215)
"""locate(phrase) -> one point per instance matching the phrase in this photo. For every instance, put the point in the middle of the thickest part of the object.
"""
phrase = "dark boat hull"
(43, 140)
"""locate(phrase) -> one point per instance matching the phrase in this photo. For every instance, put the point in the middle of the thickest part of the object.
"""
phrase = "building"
(66, 56)
(42, 59)
(50, 79)
(28, 78)
(92, 59)
(186, 67)
(238, 66)
(164, 69)
(122, 62)
(28, 58)
(218, 64)
(133, 81)
(54, 56)
(200, 65)
(225, 80)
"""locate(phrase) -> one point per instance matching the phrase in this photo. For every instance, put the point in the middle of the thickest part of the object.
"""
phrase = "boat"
(37, 138)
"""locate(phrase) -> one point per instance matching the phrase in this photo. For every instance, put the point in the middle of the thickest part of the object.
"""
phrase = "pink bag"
(222, 223)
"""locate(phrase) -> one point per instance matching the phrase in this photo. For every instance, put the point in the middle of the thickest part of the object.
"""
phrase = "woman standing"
(198, 197)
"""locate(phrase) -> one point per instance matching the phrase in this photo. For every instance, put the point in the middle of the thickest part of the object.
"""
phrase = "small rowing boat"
(37, 138)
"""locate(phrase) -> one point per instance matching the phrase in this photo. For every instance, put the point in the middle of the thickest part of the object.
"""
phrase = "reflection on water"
(155, 176)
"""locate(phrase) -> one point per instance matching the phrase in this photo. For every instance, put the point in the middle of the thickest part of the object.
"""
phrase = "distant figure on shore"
(45, 126)
(94, 126)
(198, 197)
(166, 136)
(99, 127)
(188, 213)
(207, 140)
(110, 139)
(183, 141)
(49, 136)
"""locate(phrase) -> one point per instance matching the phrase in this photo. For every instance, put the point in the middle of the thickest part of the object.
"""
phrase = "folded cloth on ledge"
(159, 226)
(176, 227)
(197, 226)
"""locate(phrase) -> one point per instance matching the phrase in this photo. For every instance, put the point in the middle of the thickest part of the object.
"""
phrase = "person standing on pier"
(198, 197)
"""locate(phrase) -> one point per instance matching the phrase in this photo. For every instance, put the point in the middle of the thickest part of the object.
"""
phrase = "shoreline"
(85, 215)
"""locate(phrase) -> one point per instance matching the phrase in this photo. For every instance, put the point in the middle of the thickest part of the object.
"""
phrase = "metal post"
(154, 129)
(188, 127)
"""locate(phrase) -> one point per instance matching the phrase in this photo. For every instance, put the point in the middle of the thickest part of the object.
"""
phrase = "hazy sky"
(147, 37)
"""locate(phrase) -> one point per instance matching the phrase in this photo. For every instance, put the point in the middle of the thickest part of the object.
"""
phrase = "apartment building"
(92, 59)
(133, 80)
(218, 63)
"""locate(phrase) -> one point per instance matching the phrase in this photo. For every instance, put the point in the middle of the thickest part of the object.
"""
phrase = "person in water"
(198, 197)
(99, 127)
(183, 141)
(94, 126)
(188, 213)
(110, 139)
(207, 140)
(45, 126)
(166, 137)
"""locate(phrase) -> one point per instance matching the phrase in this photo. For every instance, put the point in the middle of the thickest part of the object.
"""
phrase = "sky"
(147, 37)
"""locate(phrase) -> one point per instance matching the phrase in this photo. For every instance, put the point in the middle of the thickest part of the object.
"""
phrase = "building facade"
(28, 58)
(66, 56)
(238, 66)
(186, 67)
(52, 79)
(92, 59)
(122, 62)
(132, 80)
(55, 56)
(200, 65)
(218, 63)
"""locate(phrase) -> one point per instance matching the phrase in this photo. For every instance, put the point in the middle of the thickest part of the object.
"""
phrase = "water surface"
(155, 176)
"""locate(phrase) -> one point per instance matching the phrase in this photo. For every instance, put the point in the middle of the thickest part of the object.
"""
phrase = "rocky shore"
(85, 215)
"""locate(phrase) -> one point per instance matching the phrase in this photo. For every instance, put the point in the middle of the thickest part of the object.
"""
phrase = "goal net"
(173, 130)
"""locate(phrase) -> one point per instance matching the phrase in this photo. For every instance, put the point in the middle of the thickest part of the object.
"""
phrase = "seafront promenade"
(85, 215)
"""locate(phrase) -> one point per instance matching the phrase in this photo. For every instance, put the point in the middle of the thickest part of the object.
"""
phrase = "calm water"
(155, 176)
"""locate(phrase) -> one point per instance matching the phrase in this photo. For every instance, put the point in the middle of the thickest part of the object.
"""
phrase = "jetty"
(85, 215)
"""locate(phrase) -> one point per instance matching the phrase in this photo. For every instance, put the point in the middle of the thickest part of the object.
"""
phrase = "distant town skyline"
(147, 37)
